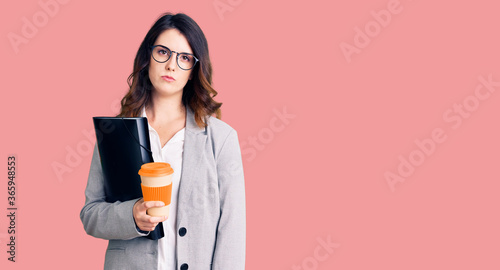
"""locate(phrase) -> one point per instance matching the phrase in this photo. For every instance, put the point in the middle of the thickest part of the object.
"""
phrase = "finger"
(150, 204)
(147, 226)
(155, 220)
(151, 227)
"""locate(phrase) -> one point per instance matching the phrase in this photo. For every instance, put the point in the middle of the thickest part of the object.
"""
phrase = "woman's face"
(167, 78)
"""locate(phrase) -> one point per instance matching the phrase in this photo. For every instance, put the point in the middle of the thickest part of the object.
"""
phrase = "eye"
(186, 58)
(163, 52)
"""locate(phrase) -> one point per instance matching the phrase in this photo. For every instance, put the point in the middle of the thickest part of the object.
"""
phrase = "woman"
(171, 86)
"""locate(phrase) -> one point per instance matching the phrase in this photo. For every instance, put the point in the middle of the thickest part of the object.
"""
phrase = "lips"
(168, 78)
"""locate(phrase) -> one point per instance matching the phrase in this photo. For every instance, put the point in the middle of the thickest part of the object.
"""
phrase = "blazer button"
(182, 232)
(184, 266)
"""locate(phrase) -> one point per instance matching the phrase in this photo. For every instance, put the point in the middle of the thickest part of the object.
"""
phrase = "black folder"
(123, 144)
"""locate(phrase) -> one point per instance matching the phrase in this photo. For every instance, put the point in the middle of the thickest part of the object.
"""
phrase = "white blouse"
(170, 153)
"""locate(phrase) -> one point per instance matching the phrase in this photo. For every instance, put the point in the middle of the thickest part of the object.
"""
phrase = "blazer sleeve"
(100, 218)
(231, 232)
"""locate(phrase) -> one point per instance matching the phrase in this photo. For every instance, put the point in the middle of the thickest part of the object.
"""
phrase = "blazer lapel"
(194, 145)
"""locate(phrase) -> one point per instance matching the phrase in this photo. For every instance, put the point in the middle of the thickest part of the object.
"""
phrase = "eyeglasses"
(162, 54)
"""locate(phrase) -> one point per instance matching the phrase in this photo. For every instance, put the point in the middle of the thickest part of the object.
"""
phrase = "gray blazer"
(211, 207)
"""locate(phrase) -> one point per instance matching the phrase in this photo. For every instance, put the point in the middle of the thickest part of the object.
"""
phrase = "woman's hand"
(144, 221)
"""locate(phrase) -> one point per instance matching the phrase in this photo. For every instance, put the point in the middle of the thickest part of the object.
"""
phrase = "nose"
(171, 64)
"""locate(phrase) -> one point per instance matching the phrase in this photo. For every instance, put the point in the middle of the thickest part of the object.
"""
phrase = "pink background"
(315, 177)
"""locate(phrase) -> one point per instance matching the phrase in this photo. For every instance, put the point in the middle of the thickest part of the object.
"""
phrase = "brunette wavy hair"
(197, 94)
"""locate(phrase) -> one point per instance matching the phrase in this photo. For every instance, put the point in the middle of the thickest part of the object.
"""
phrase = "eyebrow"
(171, 49)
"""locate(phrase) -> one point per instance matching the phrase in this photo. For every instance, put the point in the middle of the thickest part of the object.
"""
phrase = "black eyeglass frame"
(177, 56)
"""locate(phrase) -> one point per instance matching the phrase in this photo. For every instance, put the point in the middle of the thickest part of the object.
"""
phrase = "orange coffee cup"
(156, 184)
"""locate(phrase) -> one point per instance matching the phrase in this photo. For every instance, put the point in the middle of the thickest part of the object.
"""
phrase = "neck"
(165, 108)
